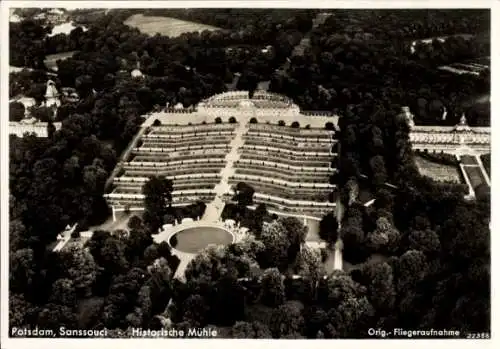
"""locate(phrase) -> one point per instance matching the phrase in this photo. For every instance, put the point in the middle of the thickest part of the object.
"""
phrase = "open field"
(50, 60)
(64, 28)
(165, 25)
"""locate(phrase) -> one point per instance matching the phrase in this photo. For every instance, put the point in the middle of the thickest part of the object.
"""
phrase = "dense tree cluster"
(117, 281)
(365, 55)
(418, 236)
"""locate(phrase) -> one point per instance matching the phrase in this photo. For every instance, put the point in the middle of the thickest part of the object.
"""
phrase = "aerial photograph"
(251, 173)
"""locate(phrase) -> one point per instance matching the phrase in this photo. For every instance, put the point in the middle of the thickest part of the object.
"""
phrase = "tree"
(244, 195)
(412, 268)
(379, 281)
(296, 233)
(426, 241)
(276, 242)
(63, 293)
(253, 120)
(43, 114)
(348, 308)
(157, 197)
(287, 321)
(134, 223)
(81, 269)
(113, 256)
(51, 129)
(232, 120)
(218, 120)
(379, 173)
(16, 111)
(329, 126)
(281, 123)
(273, 288)
(19, 310)
(54, 316)
(250, 330)
(328, 228)
(18, 236)
(308, 263)
(295, 124)
(385, 238)
(195, 310)
(22, 270)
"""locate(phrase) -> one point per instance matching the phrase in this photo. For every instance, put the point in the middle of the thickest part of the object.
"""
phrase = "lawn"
(50, 60)
(475, 175)
(165, 25)
(468, 160)
(486, 159)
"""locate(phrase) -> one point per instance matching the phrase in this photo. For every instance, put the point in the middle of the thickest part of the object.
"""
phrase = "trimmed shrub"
(173, 241)
(281, 123)
(232, 120)
(329, 126)
(218, 120)
(157, 122)
(295, 124)
(308, 127)
(134, 222)
(253, 120)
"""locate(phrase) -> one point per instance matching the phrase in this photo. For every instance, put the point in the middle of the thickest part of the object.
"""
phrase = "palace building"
(455, 140)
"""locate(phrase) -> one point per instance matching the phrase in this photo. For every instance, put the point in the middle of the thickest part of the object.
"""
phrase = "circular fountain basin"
(194, 239)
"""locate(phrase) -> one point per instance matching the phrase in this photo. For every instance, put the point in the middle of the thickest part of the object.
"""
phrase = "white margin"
(11, 343)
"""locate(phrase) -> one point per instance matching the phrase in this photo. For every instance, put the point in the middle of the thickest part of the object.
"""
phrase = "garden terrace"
(173, 130)
(162, 157)
(195, 134)
(294, 153)
(176, 163)
(287, 130)
(137, 201)
(289, 154)
(287, 144)
(280, 172)
(292, 161)
(437, 171)
(305, 178)
(172, 172)
(176, 149)
(183, 142)
(281, 162)
(283, 189)
(278, 165)
(301, 207)
(267, 135)
(137, 187)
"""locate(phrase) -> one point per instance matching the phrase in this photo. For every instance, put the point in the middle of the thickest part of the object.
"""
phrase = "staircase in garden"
(214, 208)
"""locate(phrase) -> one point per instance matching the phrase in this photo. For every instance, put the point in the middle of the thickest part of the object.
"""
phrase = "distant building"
(52, 95)
(455, 140)
(136, 73)
(31, 126)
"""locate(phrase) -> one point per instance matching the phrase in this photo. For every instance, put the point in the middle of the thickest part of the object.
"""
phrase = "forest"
(436, 267)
